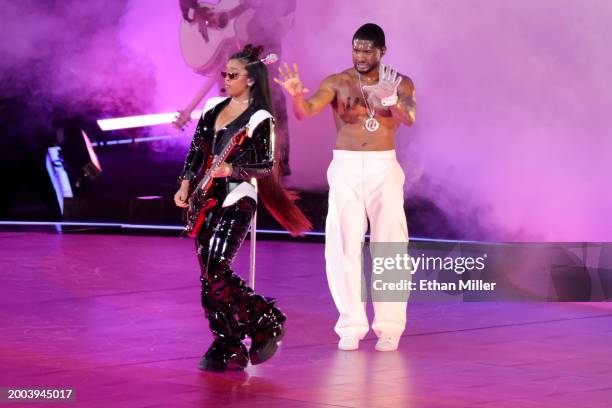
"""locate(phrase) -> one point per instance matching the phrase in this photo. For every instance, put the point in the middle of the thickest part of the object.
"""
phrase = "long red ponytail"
(281, 204)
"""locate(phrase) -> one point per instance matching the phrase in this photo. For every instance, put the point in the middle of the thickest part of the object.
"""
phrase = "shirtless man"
(369, 101)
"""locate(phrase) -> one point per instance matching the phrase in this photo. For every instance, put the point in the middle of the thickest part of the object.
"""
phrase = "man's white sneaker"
(348, 343)
(387, 344)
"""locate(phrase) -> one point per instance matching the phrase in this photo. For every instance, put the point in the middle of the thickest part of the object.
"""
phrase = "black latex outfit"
(232, 308)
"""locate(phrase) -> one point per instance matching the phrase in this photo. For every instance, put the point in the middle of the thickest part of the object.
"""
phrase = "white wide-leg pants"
(362, 186)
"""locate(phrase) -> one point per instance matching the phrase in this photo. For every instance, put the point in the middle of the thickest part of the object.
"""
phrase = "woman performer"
(234, 311)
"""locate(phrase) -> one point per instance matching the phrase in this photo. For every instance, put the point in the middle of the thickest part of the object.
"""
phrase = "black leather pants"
(232, 308)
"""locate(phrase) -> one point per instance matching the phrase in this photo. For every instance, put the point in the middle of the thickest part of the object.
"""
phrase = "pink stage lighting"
(141, 120)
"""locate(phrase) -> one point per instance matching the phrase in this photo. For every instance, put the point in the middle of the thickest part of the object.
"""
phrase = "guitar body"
(206, 45)
(195, 216)
(200, 203)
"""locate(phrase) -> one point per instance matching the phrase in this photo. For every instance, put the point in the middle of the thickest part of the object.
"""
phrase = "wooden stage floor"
(117, 318)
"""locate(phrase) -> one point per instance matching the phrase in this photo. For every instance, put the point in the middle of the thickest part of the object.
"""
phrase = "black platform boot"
(251, 315)
(227, 351)
(255, 315)
(225, 354)
(265, 328)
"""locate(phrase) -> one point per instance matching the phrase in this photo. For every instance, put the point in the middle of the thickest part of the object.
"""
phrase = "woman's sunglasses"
(231, 75)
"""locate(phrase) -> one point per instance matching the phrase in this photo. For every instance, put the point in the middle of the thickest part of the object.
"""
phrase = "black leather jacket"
(253, 158)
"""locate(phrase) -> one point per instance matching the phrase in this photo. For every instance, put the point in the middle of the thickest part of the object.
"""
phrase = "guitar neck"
(220, 158)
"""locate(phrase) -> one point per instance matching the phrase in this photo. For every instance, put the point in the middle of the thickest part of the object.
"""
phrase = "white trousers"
(362, 186)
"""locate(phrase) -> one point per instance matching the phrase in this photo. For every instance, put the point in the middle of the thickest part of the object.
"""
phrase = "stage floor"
(117, 318)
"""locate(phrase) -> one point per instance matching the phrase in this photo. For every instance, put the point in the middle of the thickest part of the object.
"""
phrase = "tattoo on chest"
(351, 105)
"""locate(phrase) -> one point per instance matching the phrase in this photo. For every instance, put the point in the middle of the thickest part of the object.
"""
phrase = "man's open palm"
(291, 80)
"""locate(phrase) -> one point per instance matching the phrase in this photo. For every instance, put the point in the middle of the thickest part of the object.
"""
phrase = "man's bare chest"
(351, 103)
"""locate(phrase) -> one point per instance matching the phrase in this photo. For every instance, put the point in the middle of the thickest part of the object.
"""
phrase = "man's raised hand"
(291, 80)
(388, 81)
